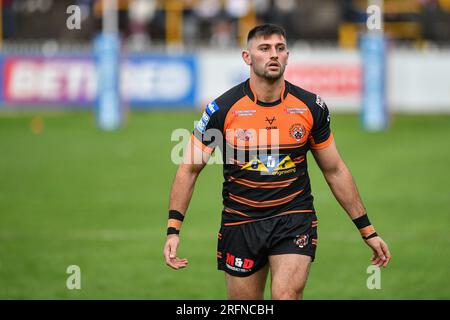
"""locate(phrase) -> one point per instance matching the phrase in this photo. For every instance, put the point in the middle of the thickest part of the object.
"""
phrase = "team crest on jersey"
(301, 240)
(275, 164)
(297, 131)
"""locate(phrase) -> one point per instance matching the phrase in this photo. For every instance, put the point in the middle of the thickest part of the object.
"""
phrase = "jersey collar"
(248, 90)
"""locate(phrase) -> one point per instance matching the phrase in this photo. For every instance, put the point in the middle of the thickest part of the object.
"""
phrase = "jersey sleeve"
(208, 131)
(321, 135)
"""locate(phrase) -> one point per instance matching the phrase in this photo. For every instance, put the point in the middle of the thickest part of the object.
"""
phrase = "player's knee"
(245, 295)
(244, 291)
(287, 293)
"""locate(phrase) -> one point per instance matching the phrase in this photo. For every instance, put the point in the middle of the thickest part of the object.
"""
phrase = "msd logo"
(239, 264)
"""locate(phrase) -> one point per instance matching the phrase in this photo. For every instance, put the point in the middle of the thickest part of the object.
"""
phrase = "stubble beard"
(270, 76)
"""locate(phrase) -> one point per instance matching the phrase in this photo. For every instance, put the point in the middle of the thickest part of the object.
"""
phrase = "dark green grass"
(73, 195)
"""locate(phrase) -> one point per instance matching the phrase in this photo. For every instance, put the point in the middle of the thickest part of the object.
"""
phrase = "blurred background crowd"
(146, 24)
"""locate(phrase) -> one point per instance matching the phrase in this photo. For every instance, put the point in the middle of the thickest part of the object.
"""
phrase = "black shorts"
(244, 249)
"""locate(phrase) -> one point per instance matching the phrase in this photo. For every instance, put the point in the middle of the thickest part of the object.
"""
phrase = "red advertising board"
(330, 80)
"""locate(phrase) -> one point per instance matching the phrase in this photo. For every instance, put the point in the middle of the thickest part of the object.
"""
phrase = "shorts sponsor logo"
(239, 264)
(297, 131)
(301, 240)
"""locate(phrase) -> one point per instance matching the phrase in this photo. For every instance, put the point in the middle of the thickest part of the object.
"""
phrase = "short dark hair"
(266, 30)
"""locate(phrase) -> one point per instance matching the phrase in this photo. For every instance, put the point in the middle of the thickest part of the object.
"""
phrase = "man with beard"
(264, 127)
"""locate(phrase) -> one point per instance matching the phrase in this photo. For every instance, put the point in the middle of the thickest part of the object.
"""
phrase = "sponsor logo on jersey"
(297, 131)
(244, 113)
(295, 110)
(201, 126)
(206, 116)
(211, 108)
(244, 134)
(320, 102)
(270, 122)
(301, 240)
(275, 164)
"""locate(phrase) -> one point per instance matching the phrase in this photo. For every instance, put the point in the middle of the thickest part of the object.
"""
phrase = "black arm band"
(362, 222)
(177, 215)
(172, 230)
(365, 227)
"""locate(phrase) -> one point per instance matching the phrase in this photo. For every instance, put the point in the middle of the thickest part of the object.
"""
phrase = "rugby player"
(264, 127)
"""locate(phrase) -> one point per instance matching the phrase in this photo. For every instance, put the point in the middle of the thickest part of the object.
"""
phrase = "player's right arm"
(193, 163)
(205, 137)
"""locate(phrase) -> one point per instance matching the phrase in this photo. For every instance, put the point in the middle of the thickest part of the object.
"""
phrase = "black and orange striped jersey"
(264, 147)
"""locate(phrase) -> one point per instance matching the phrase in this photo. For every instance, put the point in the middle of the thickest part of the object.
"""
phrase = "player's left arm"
(344, 189)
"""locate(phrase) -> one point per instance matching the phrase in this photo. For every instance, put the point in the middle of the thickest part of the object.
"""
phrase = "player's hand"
(170, 253)
(381, 255)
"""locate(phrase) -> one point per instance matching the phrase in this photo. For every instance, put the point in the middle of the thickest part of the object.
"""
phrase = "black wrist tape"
(365, 227)
(362, 222)
(177, 215)
(172, 230)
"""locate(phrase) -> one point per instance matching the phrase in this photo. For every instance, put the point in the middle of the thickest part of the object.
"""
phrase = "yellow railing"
(411, 30)
(348, 32)
(174, 21)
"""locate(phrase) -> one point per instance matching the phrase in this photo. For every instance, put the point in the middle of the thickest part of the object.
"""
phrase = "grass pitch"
(73, 195)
